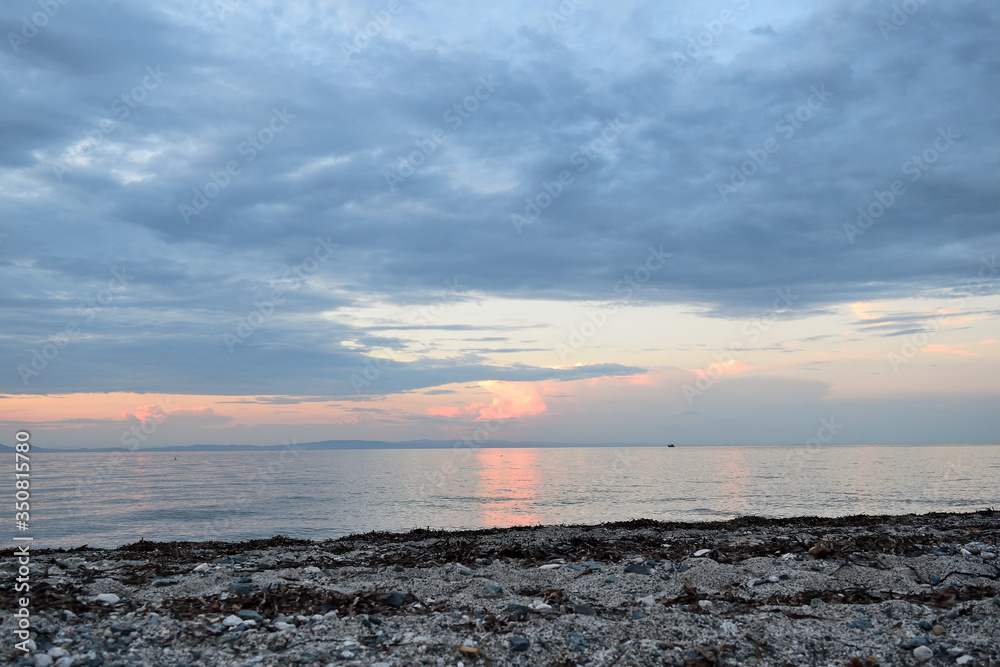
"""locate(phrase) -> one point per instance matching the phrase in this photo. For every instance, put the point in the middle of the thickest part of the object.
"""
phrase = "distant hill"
(328, 445)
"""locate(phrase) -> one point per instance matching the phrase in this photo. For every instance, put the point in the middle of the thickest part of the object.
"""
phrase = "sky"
(726, 222)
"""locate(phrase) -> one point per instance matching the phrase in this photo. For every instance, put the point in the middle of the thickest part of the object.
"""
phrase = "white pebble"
(57, 652)
(281, 625)
(649, 601)
(550, 566)
(701, 552)
(963, 660)
(249, 622)
(730, 628)
(42, 660)
(108, 598)
(923, 653)
(704, 604)
(232, 621)
(204, 567)
(312, 569)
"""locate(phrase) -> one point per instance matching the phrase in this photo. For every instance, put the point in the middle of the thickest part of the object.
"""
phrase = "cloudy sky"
(735, 221)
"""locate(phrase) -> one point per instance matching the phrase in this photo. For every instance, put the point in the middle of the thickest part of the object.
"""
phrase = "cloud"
(511, 400)
(80, 201)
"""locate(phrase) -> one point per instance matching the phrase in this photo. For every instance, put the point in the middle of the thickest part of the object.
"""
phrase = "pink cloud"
(510, 401)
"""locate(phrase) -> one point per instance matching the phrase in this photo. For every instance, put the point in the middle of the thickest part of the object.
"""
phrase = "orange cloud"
(948, 349)
(206, 416)
(510, 401)
(862, 310)
(716, 368)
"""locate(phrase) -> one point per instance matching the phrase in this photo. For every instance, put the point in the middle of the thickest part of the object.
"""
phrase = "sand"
(853, 591)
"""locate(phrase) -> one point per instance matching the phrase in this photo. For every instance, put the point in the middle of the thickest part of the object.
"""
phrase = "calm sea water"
(105, 499)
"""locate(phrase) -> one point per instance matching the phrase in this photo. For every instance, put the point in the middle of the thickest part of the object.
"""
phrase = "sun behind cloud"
(510, 401)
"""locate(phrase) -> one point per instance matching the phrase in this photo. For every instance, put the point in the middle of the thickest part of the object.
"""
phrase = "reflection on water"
(509, 486)
(322, 494)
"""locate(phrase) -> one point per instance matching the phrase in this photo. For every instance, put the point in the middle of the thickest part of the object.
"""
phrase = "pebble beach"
(856, 591)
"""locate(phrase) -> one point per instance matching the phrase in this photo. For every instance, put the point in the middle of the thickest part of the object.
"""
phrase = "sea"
(109, 499)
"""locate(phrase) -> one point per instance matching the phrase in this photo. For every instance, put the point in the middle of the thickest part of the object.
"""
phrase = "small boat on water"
(671, 445)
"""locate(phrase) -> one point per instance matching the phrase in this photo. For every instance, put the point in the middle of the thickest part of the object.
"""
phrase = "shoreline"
(858, 590)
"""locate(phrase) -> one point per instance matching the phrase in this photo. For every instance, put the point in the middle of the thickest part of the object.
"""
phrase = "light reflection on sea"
(105, 499)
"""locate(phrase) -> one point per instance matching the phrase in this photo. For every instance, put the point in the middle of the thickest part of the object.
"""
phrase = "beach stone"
(232, 621)
(204, 567)
(584, 610)
(281, 625)
(240, 588)
(57, 652)
(519, 644)
(493, 589)
(578, 639)
(108, 598)
(817, 602)
(467, 572)
(611, 579)
(250, 614)
(636, 568)
(42, 660)
(592, 565)
(637, 614)
(923, 653)
(518, 612)
(975, 618)
(576, 567)
(964, 660)
(915, 642)
(395, 598)
(860, 623)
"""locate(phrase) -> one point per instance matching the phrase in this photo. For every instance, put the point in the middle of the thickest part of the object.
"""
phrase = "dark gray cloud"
(116, 116)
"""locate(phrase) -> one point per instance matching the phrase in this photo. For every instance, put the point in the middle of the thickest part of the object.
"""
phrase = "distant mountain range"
(325, 444)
